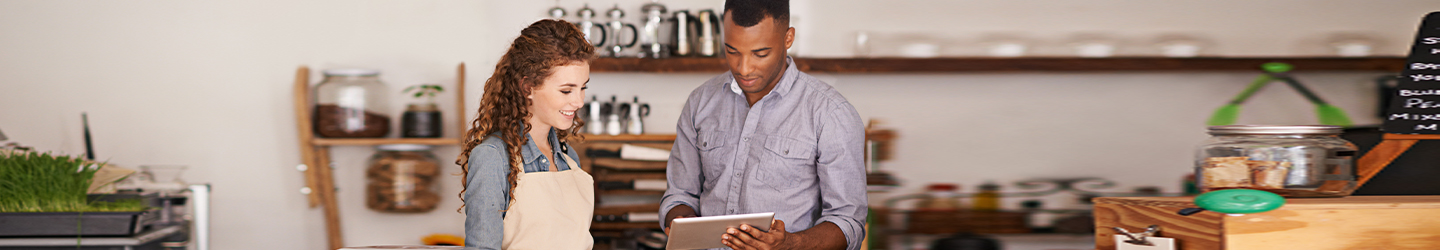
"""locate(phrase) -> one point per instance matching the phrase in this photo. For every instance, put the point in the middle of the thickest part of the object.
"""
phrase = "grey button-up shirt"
(797, 152)
(488, 191)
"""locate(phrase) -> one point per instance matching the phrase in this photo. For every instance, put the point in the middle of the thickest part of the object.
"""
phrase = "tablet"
(705, 232)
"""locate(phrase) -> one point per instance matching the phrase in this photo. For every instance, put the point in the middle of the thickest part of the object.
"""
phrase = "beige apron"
(551, 210)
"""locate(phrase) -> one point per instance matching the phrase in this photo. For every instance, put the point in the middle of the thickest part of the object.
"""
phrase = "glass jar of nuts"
(402, 178)
(1292, 161)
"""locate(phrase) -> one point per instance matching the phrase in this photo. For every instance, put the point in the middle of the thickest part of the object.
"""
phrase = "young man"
(766, 137)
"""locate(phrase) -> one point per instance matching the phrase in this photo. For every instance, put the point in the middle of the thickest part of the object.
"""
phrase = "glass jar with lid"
(351, 103)
(1292, 161)
(402, 178)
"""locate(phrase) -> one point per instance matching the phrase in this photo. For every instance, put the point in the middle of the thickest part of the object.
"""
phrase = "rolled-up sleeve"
(683, 172)
(841, 171)
(486, 196)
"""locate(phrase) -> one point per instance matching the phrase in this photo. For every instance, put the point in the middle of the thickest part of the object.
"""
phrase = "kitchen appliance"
(557, 12)
(634, 113)
(595, 116)
(612, 118)
(707, 41)
(615, 48)
(682, 33)
(587, 24)
(650, 42)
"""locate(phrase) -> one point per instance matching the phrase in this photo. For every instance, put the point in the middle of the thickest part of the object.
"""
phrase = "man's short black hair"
(747, 13)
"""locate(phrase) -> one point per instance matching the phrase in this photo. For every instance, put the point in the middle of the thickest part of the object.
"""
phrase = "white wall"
(207, 85)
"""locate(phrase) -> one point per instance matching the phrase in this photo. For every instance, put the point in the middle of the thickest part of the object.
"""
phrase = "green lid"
(1239, 201)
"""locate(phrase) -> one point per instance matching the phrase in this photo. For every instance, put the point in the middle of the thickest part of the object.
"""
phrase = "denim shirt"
(798, 152)
(488, 191)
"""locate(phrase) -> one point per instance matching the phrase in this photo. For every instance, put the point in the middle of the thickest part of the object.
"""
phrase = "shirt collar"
(787, 80)
(531, 152)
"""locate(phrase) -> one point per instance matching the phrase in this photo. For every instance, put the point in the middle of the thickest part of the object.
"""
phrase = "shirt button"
(746, 139)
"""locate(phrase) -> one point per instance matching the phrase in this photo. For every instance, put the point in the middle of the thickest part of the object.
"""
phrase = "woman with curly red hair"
(522, 187)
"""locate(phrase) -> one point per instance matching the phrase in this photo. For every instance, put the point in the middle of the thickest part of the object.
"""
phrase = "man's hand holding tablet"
(721, 231)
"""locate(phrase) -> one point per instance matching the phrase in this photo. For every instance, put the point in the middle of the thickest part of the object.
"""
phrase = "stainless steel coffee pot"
(595, 112)
(616, 25)
(588, 25)
(650, 42)
(612, 118)
(557, 12)
(708, 41)
(635, 113)
(682, 33)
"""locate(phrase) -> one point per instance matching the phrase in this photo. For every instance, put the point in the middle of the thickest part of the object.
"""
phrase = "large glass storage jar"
(351, 103)
(402, 178)
(1292, 161)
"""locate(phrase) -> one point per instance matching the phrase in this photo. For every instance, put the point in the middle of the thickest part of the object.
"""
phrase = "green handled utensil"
(1328, 114)
(1228, 113)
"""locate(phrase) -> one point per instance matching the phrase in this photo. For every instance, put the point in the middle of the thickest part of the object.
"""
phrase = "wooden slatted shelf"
(630, 192)
(991, 64)
(629, 165)
(381, 141)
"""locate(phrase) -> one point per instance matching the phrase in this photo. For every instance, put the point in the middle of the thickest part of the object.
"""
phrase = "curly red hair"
(541, 47)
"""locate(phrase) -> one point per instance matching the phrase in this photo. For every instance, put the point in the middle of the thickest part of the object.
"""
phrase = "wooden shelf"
(382, 141)
(624, 225)
(639, 137)
(630, 192)
(629, 165)
(627, 208)
(988, 64)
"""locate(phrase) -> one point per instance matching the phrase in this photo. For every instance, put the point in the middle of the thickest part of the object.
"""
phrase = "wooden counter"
(1355, 222)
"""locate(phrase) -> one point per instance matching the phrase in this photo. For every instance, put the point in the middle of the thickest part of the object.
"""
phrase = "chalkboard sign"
(1415, 104)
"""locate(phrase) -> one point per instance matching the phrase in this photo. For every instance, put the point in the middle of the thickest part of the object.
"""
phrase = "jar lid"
(1275, 129)
(351, 72)
(403, 147)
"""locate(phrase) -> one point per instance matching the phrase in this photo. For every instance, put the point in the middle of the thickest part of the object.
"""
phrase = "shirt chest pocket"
(788, 163)
(715, 155)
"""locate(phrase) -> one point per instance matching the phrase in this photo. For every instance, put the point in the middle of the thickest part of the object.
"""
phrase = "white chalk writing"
(1419, 92)
(1419, 77)
(1420, 103)
(1415, 117)
(1426, 127)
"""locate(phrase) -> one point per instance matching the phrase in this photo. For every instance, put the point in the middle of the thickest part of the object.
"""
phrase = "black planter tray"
(75, 223)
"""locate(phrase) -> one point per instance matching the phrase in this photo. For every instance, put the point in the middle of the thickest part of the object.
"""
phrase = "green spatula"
(1328, 114)
(1227, 114)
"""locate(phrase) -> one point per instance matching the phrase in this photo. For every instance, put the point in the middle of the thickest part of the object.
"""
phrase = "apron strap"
(569, 160)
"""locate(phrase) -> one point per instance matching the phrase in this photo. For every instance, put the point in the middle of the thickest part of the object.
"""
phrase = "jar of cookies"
(402, 178)
(1292, 161)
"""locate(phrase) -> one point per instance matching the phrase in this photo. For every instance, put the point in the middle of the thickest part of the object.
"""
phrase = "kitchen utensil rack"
(315, 151)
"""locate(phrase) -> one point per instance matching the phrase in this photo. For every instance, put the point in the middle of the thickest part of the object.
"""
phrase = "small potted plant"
(422, 120)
